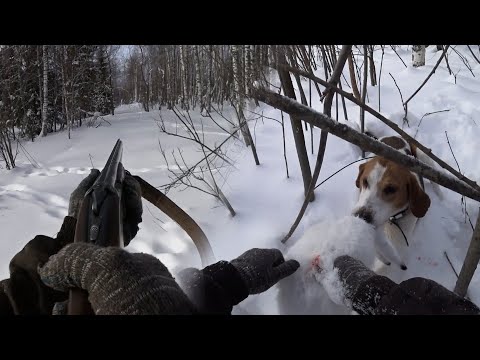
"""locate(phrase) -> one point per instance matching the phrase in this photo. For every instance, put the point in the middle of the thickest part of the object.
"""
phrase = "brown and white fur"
(385, 189)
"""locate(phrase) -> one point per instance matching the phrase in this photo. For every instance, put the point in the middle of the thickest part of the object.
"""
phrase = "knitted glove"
(131, 200)
(118, 282)
(260, 269)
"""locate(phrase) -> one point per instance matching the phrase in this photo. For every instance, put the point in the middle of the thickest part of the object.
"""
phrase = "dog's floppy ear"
(360, 172)
(419, 200)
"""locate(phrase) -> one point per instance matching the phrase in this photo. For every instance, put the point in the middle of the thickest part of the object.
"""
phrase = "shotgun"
(100, 220)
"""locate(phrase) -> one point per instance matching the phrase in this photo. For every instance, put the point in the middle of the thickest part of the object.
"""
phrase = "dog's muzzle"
(364, 214)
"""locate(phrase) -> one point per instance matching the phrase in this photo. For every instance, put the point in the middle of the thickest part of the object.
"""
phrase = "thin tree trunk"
(248, 69)
(211, 55)
(364, 92)
(239, 96)
(183, 77)
(471, 262)
(297, 130)
(45, 92)
(373, 73)
(198, 77)
(353, 80)
(64, 85)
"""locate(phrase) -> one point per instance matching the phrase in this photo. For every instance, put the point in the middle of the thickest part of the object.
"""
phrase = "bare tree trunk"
(211, 55)
(418, 55)
(297, 130)
(364, 92)
(135, 82)
(198, 77)
(373, 73)
(64, 86)
(183, 76)
(248, 69)
(45, 92)
(353, 80)
(239, 96)
(471, 262)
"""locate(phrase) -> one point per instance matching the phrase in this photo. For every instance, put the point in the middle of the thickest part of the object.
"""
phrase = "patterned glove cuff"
(227, 276)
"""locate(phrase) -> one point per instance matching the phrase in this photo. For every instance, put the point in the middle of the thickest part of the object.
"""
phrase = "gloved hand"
(260, 269)
(372, 294)
(118, 282)
(27, 294)
(131, 199)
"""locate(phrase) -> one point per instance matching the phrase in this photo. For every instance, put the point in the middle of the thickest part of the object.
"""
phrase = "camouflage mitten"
(117, 282)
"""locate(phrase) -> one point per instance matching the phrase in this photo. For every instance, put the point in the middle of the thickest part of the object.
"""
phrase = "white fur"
(310, 292)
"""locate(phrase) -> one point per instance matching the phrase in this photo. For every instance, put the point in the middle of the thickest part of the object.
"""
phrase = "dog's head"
(387, 188)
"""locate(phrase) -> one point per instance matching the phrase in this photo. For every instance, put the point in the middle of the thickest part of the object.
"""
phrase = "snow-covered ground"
(34, 199)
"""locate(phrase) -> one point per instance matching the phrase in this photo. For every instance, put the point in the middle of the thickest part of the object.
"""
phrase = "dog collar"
(393, 220)
(399, 215)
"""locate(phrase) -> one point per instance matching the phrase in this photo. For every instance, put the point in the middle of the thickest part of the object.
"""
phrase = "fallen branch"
(391, 125)
(363, 141)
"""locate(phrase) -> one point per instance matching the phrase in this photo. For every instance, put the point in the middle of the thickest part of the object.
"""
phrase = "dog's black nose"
(365, 214)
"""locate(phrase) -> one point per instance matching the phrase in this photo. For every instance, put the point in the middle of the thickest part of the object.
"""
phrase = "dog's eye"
(389, 190)
(365, 183)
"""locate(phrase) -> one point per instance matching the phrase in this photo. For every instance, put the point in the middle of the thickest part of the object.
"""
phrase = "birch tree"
(45, 92)
(418, 55)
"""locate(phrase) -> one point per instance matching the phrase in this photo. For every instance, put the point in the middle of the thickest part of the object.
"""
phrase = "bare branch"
(344, 132)
(394, 127)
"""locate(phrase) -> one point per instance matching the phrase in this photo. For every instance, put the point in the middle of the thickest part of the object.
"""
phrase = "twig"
(91, 162)
(464, 60)
(451, 265)
(469, 48)
(448, 65)
(155, 219)
(425, 115)
(405, 119)
(446, 135)
(395, 51)
(336, 172)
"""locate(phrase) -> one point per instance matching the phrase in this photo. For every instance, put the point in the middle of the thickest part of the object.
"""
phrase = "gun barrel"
(108, 175)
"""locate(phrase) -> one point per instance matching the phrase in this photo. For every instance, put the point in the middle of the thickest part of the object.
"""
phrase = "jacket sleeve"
(215, 289)
(419, 296)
